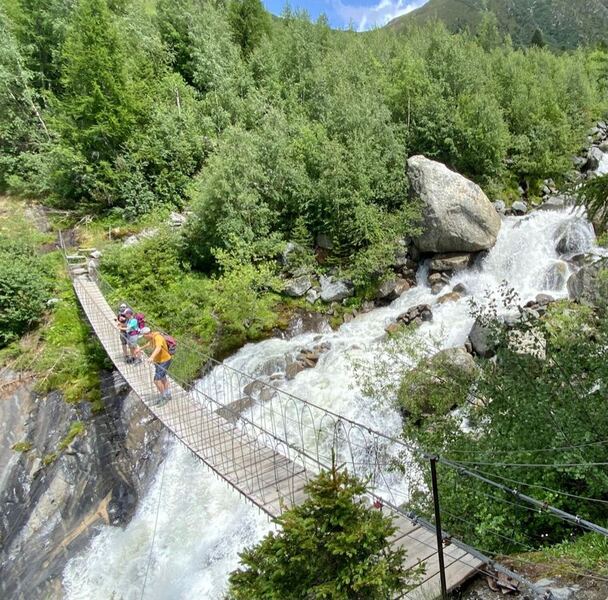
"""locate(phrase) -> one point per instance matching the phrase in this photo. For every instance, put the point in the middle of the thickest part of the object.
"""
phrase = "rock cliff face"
(49, 511)
(457, 215)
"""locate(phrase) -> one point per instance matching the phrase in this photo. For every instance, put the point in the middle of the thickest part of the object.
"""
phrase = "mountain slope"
(563, 23)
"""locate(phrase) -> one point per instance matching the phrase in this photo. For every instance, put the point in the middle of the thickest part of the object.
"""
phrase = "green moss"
(49, 459)
(77, 428)
(22, 447)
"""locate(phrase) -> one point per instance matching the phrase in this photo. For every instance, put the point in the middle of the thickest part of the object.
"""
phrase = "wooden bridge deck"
(265, 476)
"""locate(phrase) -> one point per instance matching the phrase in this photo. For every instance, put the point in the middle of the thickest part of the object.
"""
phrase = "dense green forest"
(272, 129)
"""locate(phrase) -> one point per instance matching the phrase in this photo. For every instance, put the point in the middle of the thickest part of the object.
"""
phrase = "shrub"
(331, 546)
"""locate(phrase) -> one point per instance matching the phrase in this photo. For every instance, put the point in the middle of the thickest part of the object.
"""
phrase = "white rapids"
(201, 523)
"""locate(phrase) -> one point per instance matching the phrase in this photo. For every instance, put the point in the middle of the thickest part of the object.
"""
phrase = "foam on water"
(202, 524)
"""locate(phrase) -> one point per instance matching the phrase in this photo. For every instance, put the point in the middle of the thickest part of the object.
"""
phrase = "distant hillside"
(563, 23)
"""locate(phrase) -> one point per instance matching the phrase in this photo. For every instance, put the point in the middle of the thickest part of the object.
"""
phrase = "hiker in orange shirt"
(161, 358)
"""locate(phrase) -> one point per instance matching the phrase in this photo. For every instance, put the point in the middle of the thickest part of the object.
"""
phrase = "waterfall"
(201, 523)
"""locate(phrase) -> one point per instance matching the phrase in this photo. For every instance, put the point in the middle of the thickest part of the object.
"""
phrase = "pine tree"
(249, 22)
(537, 39)
(331, 546)
(99, 106)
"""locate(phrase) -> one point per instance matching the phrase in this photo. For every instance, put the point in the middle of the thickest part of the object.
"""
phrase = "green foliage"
(76, 428)
(330, 546)
(249, 22)
(98, 107)
(24, 289)
(541, 405)
(537, 39)
(593, 193)
(22, 446)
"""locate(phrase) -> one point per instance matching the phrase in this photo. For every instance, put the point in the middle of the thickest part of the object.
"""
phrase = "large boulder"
(481, 340)
(574, 236)
(335, 290)
(298, 286)
(589, 285)
(452, 261)
(457, 215)
(391, 290)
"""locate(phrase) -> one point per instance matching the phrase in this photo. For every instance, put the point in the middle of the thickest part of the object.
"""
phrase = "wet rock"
(296, 288)
(451, 262)
(554, 203)
(544, 299)
(594, 158)
(555, 276)
(457, 215)
(437, 287)
(574, 235)
(391, 290)
(481, 341)
(335, 290)
(304, 321)
(460, 288)
(392, 328)
(435, 278)
(589, 285)
(519, 207)
(416, 314)
(367, 306)
(449, 297)
(293, 369)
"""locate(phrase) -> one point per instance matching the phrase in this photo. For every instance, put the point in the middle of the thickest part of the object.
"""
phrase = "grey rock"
(457, 215)
(419, 313)
(519, 207)
(449, 297)
(312, 296)
(96, 254)
(481, 340)
(437, 287)
(367, 306)
(434, 278)
(452, 261)
(293, 369)
(391, 290)
(177, 219)
(52, 301)
(460, 288)
(574, 236)
(499, 206)
(297, 287)
(544, 299)
(335, 290)
(588, 285)
(604, 146)
(594, 158)
(555, 276)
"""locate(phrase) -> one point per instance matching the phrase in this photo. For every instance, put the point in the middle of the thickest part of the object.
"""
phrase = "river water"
(201, 524)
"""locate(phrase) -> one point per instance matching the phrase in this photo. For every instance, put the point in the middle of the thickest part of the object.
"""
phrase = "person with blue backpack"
(132, 330)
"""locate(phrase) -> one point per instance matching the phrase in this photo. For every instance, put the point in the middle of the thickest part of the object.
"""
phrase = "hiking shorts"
(132, 340)
(123, 338)
(160, 370)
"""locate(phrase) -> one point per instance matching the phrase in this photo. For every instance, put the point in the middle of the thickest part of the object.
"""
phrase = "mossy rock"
(437, 384)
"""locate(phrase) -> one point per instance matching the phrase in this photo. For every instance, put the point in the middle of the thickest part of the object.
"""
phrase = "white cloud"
(367, 17)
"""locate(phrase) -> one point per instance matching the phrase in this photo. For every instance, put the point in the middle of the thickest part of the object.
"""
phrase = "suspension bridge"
(267, 444)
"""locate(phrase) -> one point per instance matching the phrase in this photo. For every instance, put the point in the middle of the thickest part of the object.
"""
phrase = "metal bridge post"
(444, 590)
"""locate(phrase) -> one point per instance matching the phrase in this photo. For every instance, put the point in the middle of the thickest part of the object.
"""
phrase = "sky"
(363, 14)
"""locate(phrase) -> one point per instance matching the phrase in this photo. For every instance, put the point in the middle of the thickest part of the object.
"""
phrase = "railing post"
(444, 590)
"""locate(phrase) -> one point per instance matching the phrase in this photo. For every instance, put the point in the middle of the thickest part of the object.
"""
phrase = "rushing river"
(201, 524)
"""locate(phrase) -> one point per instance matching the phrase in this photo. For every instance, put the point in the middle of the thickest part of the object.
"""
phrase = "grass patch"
(77, 428)
(586, 552)
(22, 447)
